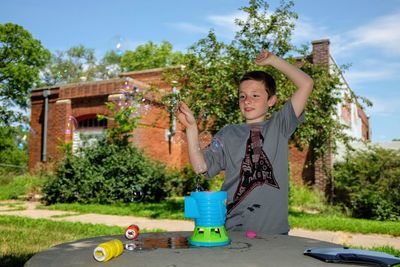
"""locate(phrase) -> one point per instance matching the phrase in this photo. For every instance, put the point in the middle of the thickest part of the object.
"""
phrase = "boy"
(254, 155)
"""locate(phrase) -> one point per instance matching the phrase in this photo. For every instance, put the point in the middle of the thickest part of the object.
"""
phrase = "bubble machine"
(208, 209)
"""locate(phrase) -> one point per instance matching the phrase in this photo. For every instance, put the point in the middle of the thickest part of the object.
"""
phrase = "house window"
(89, 132)
(92, 123)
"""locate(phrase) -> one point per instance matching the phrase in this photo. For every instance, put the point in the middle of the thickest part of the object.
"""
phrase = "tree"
(79, 63)
(13, 152)
(74, 65)
(110, 65)
(213, 70)
(149, 56)
(21, 58)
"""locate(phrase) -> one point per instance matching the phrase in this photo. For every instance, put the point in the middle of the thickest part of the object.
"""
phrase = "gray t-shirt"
(265, 208)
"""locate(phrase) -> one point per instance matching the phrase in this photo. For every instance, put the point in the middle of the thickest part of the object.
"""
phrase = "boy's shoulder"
(234, 127)
(232, 131)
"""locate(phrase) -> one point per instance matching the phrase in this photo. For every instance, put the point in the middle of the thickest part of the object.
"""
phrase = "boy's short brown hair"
(261, 76)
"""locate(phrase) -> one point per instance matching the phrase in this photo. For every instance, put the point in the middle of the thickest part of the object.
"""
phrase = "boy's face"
(253, 101)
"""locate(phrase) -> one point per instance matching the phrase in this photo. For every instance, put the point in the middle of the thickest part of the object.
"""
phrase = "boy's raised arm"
(185, 116)
(303, 82)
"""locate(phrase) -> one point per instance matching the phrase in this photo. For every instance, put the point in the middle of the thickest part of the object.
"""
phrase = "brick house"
(66, 112)
(348, 113)
(72, 110)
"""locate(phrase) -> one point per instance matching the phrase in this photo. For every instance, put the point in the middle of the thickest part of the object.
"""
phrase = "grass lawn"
(21, 238)
(173, 209)
(169, 209)
(14, 187)
(342, 223)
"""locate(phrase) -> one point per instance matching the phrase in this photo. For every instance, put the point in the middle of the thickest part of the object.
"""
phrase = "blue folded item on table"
(349, 255)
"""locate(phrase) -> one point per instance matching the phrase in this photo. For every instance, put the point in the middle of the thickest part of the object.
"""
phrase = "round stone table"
(168, 249)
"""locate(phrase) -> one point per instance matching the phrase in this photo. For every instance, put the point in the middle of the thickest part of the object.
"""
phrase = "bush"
(367, 183)
(182, 182)
(107, 173)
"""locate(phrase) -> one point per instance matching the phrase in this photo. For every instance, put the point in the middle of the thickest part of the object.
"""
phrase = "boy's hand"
(185, 115)
(263, 58)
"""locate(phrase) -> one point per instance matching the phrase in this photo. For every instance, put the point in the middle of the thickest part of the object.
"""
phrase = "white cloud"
(189, 27)
(362, 76)
(227, 22)
(224, 25)
(382, 32)
(384, 106)
(372, 48)
(305, 31)
(372, 69)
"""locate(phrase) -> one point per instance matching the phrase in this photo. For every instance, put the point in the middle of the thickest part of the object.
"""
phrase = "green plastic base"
(209, 236)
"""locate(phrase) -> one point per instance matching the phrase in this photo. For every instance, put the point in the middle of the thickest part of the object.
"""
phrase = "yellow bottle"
(108, 250)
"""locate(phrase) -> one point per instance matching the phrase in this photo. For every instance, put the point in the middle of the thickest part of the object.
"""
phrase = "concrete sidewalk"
(338, 237)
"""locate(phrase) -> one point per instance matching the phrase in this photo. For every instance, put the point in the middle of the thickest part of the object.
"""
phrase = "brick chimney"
(320, 52)
(323, 165)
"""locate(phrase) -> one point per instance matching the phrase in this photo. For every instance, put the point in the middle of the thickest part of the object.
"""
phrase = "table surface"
(268, 250)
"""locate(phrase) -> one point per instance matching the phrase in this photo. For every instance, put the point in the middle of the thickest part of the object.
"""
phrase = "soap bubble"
(145, 109)
(132, 96)
(27, 132)
(198, 187)
(72, 124)
(24, 133)
(216, 145)
(134, 109)
(136, 193)
(128, 90)
(118, 44)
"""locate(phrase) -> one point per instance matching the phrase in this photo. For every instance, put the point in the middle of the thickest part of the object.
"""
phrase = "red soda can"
(132, 232)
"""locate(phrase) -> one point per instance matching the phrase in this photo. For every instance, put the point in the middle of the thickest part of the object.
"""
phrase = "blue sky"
(364, 34)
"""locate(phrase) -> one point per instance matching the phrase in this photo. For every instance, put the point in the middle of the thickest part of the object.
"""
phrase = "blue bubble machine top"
(208, 209)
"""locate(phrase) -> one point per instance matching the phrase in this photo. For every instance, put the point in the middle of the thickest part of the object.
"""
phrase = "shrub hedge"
(107, 173)
(367, 183)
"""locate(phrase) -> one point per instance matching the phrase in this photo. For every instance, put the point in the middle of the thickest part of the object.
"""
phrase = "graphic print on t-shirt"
(256, 169)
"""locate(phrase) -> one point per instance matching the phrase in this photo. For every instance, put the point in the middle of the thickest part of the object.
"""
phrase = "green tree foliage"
(213, 70)
(126, 114)
(367, 183)
(79, 63)
(110, 65)
(13, 154)
(21, 58)
(150, 55)
(74, 65)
